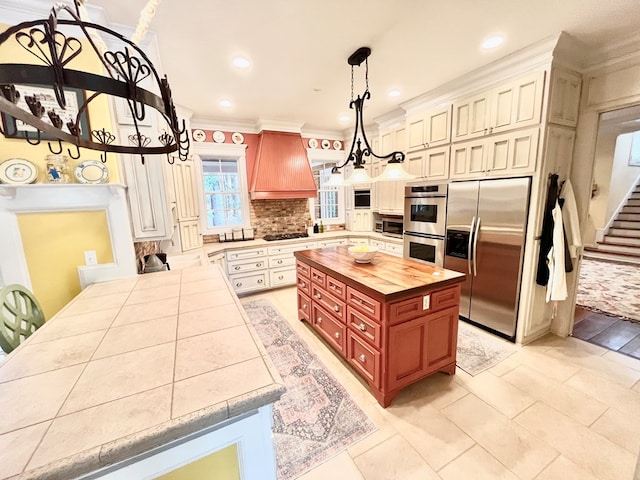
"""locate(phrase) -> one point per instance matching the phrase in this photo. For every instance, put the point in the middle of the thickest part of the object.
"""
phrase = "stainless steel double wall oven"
(425, 216)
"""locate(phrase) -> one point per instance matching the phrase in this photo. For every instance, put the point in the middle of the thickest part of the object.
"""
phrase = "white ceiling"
(299, 48)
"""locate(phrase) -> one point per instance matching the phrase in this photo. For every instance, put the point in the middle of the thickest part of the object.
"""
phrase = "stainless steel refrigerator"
(486, 227)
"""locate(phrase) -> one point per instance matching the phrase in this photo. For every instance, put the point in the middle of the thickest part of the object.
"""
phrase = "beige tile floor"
(556, 409)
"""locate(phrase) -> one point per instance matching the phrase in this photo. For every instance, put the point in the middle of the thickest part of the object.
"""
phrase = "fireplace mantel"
(42, 198)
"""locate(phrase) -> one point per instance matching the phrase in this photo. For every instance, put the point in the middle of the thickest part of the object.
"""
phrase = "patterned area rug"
(610, 288)
(315, 418)
(479, 350)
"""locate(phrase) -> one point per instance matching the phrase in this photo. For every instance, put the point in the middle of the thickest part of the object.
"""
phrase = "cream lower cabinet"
(360, 220)
(190, 236)
(387, 247)
(248, 269)
(391, 198)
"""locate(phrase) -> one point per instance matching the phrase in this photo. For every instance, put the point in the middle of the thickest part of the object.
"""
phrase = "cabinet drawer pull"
(304, 307)
(362, 327)
(319, 320)
(362, 358)
(279, 262)
(336, 308)
(302, 284)
(236, 268)
(337, 335)
(260, 281)
(239, 284)
(259, 264)
(318, 296)
(280, 277)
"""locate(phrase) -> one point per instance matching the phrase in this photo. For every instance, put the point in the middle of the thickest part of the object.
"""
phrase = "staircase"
(622, 241)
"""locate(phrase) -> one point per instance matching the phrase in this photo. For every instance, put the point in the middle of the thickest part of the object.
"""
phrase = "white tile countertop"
(126, 366)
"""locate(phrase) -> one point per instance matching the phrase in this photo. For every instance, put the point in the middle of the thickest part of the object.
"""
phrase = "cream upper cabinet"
(429, 129)
(564, 98)
(375, 171)
(468, 159)
(559, 149)
(387, 143)
(513, 153)
(391, 140)
(514, 104)
(432, 163)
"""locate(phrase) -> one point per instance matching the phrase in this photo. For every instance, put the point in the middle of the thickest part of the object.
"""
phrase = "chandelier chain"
(366, 73)
(352, 83)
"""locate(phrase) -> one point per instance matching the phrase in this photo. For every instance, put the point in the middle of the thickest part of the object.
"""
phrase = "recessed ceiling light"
(241, 62)
(344, 118)
(394, 93)
(492, 41)
(225, 103)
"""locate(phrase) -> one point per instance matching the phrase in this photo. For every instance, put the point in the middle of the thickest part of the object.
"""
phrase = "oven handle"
(469, 250)
(475, 248)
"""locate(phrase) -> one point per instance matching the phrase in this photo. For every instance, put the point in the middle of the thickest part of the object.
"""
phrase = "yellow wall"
(221, 465)
(54, 246)
(99, 115)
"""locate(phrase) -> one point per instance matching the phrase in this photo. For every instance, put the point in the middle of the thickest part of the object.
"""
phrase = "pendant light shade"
(336, 179)
(394, 171)
(359, 175)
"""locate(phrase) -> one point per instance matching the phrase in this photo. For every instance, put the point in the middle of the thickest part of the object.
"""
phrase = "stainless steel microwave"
(392, 227)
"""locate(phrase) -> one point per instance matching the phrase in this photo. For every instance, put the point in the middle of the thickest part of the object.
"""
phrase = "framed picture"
(74, 97)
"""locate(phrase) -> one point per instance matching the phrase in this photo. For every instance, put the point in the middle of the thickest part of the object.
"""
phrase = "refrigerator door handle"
(469, 250)
(475, 248)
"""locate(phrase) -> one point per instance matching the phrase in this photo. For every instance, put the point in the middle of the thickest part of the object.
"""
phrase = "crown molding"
(214, 123)
(328, 134)
(613, 52)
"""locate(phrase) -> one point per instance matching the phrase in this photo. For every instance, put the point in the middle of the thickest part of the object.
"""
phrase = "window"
(328, 204)
(224, 192)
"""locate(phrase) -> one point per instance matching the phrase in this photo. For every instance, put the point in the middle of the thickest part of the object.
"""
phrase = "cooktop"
(285, 236)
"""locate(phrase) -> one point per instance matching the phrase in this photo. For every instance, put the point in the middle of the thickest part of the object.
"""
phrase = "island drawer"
(280, 249)
(304, 284)
(364, 358)
(281, 261)
(364, 327)
(304, 307)
(331, 329)
(406, 309)
(303, 269)
(318, 277)
(364, 303)
(283, 276)
(336, 288)
(247, 265)
(449, 297)
(329, 302)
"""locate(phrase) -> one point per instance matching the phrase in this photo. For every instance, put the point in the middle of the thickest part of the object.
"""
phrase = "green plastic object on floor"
(20, 316)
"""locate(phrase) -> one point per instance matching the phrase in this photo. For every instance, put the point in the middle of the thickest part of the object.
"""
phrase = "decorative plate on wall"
(237, 137)
(218, 136)
(326, 144)
(313, 143)
(199, 136)
(18, 171)
(91, 171)
(337, 144)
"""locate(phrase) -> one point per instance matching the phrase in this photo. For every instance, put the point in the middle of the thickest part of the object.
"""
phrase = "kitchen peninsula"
(137, 377)
(394, 320)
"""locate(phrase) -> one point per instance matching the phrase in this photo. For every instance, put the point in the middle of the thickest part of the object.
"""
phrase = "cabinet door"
(436, 164)
(438, 126)
(185, 190)
(414, 163)
(559, 150)
(468, 159)
(518, 103)
(387, 144)
(361, 221)
(375, 195)
(190, 237)
(471, 117)
(416, 127)
(400, 140)
(565, 98)
(513, 153)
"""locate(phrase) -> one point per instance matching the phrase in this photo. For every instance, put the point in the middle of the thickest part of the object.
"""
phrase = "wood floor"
(613, 333)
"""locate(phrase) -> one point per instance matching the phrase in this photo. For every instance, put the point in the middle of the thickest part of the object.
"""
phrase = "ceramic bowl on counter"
(363, 253)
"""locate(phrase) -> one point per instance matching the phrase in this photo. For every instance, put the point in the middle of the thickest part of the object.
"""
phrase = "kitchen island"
(137, 377)
(394, 320)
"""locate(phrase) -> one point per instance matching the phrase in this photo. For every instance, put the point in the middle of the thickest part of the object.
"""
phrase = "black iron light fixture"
(359, 152)
(44, 106)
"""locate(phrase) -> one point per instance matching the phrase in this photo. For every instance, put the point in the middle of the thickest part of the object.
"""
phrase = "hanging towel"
(570, 219)
(557, 286)
(546, 237)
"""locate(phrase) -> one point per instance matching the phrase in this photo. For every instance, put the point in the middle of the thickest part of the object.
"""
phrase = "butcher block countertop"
(126, 366)
(386, 278)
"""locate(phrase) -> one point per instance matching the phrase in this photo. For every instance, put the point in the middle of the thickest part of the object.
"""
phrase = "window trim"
(227, 152)
(337, 156)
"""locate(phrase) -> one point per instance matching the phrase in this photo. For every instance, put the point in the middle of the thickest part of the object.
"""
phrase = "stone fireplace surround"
(42, 198)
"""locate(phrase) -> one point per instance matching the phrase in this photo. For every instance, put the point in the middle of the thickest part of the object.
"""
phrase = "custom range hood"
(282, 169)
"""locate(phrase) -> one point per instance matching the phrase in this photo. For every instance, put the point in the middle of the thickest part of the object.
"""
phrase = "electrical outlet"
(90, 257)
(426, 300)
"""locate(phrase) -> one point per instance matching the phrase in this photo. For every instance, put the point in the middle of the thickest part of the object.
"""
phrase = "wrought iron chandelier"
(47, 109)
(393, 170)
